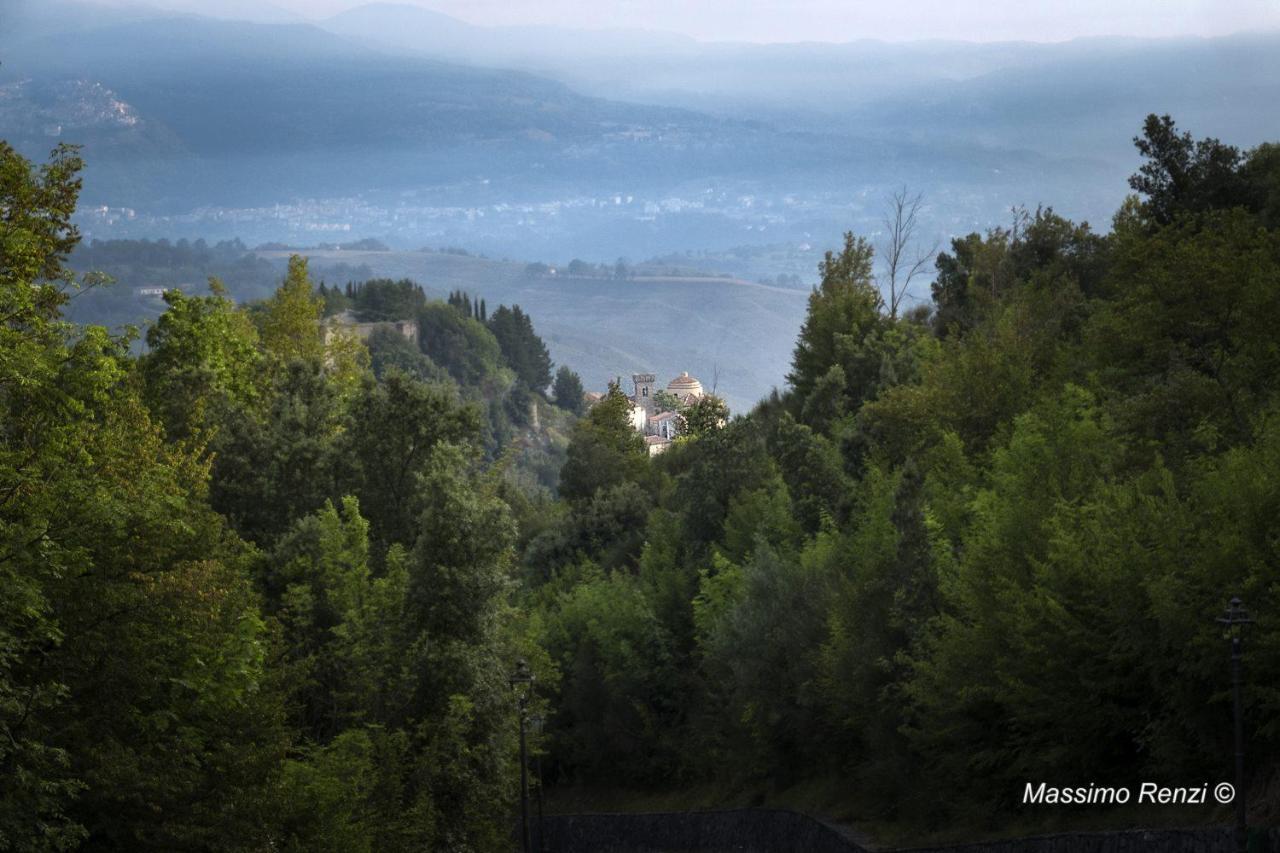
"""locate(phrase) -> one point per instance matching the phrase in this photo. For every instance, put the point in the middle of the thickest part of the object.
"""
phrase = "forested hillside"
(974, 546)
(257, 586)
(263, 587)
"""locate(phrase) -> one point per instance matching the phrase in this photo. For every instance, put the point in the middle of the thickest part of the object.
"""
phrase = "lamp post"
(522, 683)
(1234, 622)
(538, 721)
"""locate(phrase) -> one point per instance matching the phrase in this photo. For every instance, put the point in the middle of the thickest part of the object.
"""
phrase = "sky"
(834, 20)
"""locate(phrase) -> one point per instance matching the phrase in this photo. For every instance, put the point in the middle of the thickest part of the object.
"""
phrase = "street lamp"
(522, 683)
(1235, 621)
(538, 721)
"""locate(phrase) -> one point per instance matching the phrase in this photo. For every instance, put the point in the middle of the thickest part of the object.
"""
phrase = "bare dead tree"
(904, 259)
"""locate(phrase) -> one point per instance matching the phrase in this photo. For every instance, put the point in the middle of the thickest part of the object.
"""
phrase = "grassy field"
(731, 333)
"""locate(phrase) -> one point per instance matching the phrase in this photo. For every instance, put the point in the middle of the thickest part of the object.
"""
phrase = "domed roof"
(684, 384)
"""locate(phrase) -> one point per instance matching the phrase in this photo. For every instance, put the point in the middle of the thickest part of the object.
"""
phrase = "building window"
(644, 392)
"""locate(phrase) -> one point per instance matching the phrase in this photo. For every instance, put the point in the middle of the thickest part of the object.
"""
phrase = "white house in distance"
(664, 424)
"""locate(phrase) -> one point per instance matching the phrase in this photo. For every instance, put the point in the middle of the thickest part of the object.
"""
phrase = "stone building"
(346, 324)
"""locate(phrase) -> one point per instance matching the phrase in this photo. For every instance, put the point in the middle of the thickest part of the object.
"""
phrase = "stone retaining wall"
(781, 831)
(737, 830)
(1205, 840)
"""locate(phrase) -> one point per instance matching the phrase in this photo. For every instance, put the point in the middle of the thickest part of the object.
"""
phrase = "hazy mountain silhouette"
(549, 142)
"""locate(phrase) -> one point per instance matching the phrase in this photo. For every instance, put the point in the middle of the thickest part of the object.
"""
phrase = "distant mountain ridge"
(417, 29)
(829, 78)
(292, 108)
(336, 111)
(545, 142)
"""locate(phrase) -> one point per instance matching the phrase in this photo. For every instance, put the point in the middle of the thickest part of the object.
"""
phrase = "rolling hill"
(733, 333)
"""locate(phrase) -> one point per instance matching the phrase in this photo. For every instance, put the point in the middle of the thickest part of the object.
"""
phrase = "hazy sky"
(842, 20)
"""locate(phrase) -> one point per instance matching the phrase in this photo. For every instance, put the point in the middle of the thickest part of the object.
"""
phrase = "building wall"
(406, 328)
(639, 418)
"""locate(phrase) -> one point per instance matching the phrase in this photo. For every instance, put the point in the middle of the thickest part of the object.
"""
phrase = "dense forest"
(981, 544)
(263, 587)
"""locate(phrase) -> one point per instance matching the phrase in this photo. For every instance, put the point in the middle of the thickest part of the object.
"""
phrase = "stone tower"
(644, 390)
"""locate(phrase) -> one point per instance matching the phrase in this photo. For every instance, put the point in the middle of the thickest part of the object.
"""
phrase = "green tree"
(812, 470)
(383, 299)
(523, 350)
(996, 609)
(462, 346)
(460, 698)
(706, 415)
(665, 401)
(389, 350)
(954, 308)
(761, 651)
(568, 392)
(36, 235)
(1261, 173)
(611, 528)
(387, 446)
(203, 363)
(1182, 175)
(334, 298)
(844, 314)
(270, 470)
(711, 472)
(605, 636)
(320, 579)
(604, 450)
(128, 630)
(289, 322)
(1186, 348)
(884, 595)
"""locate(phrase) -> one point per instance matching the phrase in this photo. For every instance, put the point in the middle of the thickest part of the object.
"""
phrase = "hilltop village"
(655, 411)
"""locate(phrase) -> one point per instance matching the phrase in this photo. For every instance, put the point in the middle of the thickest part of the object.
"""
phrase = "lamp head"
(522, 674)
(1236, 618)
